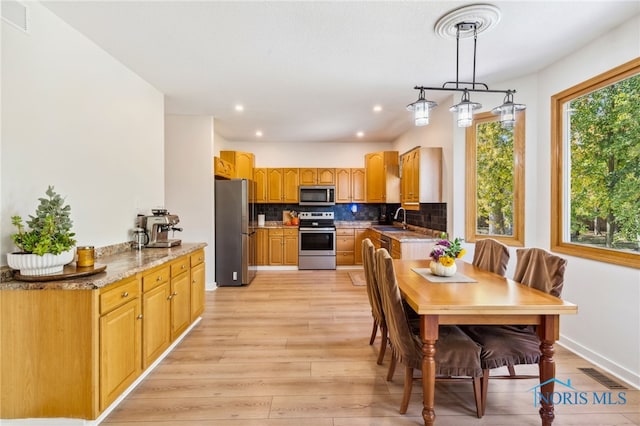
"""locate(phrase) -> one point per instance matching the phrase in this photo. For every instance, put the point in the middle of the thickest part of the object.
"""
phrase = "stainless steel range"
(317, 241)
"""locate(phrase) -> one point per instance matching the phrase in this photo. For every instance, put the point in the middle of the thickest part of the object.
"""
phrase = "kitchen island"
(72, 348)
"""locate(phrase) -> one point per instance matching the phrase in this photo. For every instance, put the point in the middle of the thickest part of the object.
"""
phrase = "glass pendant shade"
(507, 111)
(465, 110)
(421, 109)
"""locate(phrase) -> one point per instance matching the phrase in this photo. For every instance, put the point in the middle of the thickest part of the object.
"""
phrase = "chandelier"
(468, 20)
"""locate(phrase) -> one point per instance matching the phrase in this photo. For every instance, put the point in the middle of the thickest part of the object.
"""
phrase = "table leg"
(429, 334)
(548, 332)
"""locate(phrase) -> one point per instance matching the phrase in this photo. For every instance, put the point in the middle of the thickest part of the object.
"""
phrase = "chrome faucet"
(404, 217)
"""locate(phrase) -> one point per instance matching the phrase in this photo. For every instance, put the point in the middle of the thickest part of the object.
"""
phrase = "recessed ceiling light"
(360, 134)
(239, 108)
(259, 133)
(377, 108)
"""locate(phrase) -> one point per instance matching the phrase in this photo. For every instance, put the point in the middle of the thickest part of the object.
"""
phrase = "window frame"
(471, 193)
(559, 163)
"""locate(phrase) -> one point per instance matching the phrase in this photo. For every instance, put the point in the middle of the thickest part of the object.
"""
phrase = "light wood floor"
(292, 349)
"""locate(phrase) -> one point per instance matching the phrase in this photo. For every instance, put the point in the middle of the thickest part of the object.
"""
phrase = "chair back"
(491, 255)
(369, 264)
(403, 341)
(539, 269)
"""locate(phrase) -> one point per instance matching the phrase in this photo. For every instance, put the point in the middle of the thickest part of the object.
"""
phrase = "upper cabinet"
(382, 179)
(222, 169)
(260, 178)
(421, 180)
(317, 176)
(350, 185)
(243, 163)
(282, 185)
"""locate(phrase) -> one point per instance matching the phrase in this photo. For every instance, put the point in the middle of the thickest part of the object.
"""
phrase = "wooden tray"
(70, 271)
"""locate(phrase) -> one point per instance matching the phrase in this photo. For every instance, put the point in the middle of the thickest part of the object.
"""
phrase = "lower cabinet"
(262, 246)
(120, 339)
(345, 244)
(73, 352)
(283, 246)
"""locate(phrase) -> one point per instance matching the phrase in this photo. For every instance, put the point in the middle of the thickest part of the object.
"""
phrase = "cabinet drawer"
(345, 258)
(344, 243)
(276, 231)
(180, 266)
(344, 231)
(155, 277)
(118, 295)
(291, 232)
(197, 258)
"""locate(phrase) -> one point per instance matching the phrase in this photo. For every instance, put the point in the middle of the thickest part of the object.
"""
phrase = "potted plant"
(48, 245)
(444, 255)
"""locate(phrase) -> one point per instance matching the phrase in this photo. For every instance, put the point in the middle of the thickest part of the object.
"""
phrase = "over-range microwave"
(317, 195)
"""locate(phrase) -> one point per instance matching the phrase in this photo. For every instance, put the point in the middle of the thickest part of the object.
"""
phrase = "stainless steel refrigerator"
(235, 232)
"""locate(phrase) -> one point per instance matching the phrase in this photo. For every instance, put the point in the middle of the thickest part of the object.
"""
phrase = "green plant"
(50, 228)
(447, 251)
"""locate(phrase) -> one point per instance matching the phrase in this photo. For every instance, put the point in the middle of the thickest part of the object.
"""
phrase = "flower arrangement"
(446, 251)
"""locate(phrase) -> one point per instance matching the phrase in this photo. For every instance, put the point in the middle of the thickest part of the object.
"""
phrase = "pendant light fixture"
(466, 22)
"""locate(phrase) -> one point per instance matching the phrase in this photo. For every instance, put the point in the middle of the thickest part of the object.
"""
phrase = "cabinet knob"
(139, 316)
(194, 281)
(170, 297)
(125, 294)
(182, 267)
(159, 278)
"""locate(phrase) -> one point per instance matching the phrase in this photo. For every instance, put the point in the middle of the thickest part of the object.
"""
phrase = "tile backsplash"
(431, 215)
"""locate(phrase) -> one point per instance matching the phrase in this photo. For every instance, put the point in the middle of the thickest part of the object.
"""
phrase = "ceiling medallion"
(486, 17)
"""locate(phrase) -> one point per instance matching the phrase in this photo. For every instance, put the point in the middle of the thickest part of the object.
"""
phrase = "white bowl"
(33, 264)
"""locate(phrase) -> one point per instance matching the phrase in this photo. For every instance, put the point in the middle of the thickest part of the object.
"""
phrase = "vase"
(34, 264)
(439, 269)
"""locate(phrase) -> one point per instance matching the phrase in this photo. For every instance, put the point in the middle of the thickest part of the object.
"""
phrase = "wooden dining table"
(490, 299)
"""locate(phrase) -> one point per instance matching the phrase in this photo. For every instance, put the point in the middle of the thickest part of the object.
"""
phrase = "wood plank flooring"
(292, 349)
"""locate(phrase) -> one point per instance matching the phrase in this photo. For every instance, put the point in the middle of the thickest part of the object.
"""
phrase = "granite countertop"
(119, 266)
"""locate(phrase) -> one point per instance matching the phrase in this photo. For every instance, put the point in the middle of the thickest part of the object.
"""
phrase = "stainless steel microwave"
(317, 195)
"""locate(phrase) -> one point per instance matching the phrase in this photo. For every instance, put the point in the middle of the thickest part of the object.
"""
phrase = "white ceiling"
(312, 71)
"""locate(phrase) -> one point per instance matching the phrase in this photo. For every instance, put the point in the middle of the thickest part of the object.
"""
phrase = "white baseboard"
(82, 422)
(632, 378)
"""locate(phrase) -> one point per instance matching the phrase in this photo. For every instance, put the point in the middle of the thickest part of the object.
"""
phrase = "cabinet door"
(360, 234)
(260, 178)
(343, 185)
(262, 247)
(376, 185)
(120, 350)
(156, 323)
(358, 194)
(308, 176)
(326, 176)
(180, 304)
(244, 165)
(275, 189)
(276, 244)
(290, 252)
(290, 185)
(197, 290)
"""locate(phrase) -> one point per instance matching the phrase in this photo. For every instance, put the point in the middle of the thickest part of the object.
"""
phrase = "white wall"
(607, 327)
(189, 180)
(75, 118)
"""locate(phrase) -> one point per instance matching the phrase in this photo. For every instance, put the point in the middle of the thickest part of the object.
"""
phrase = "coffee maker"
(157, 228)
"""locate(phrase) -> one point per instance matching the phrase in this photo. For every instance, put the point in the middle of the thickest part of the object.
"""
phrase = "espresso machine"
(157, 228)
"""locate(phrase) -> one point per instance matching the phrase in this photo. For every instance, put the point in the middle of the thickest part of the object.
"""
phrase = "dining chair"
(457, 356)
(369, 264)
(491, 255)
(510, 345)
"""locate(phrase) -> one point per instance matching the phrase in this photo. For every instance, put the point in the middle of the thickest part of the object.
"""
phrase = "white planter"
(439, 269)
(33, 264)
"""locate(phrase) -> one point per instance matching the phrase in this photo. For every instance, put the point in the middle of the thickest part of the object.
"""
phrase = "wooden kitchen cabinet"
(350, 185)
(317, 176)
(282, 185)
(180, 296)
(198, 284)
(421, 180)
(222, 168)
(120, 339)
(243, 163)
(261, 180)
(262, 246)
(283, 246)
(70, 353)
(345, 246)
(359, 235)
(382, 178)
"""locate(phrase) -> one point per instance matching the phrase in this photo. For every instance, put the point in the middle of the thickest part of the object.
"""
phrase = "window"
(595, 190)
(495, 180)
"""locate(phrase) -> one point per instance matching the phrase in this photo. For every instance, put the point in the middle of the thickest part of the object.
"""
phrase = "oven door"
(317, 242)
